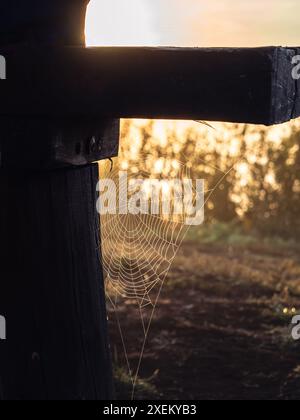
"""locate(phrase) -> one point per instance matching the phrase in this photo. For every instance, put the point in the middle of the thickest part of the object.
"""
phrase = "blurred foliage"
(234, 234)
(252, 173)
(144, 390)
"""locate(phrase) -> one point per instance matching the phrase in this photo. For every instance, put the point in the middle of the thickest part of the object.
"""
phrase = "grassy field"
(222, 328)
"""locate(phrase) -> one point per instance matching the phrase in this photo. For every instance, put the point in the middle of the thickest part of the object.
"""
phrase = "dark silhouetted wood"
(42, 22)
(51, 289)
(51, 280)
(56, 142)
(253, 85)
(65, 141)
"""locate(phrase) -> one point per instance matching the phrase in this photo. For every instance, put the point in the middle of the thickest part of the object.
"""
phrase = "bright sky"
(194, 22)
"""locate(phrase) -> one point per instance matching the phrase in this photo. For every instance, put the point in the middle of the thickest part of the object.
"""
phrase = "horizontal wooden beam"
(251, 85)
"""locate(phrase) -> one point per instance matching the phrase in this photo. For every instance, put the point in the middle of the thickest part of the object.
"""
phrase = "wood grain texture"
(51, 288)
(51, 280)
(285, 95)
(252, 85)
(27, 142)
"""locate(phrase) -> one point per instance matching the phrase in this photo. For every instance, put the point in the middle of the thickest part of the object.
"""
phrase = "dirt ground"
(221, 331)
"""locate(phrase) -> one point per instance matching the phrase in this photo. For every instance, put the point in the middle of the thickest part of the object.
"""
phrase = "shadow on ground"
(221, 330)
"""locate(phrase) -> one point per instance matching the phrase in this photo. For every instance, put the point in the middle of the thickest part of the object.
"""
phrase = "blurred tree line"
(252, 173)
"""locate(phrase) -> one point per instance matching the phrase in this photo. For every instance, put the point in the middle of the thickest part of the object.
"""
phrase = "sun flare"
(120, 23)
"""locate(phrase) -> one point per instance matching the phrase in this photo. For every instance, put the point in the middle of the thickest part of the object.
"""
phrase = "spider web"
(138, 251)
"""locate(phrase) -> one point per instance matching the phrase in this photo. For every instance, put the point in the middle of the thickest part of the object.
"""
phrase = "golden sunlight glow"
(190, 23)
(120, 23)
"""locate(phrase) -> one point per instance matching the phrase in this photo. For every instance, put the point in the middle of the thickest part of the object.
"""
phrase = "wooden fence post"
(58, 106)
(51, 281)
(51, 289)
